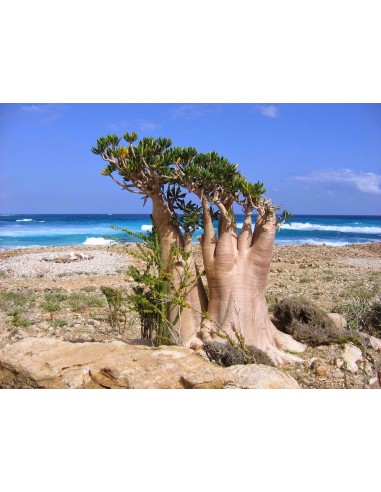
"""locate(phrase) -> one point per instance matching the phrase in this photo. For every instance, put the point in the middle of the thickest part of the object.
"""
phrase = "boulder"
(338, 320)
(351, 355)
(375, 343)
(52, 363)
(258, 376)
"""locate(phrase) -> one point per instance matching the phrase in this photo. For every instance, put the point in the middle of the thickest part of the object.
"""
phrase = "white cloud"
(270, 110)
(32, 108)
(132, 125)
(191, 111)
(45, 112)
(365, 182)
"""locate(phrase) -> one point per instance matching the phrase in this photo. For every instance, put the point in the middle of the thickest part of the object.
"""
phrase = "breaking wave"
(314, 242)
(98, 241)
(146, 227)
(307, 226)
(24, 220)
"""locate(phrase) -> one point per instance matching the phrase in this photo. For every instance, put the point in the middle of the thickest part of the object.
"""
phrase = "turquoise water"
(60, 230)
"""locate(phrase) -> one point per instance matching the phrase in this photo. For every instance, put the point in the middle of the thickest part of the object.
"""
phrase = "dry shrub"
(224, 354)
(306, 322)
(372, 319)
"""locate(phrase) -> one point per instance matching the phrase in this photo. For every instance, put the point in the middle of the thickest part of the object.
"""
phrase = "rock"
(322, 370)
(338, 320)
(258, 376)
(318, 366)
(375, 343)
(351, 355)
(53, 363)
(204, 335)
(336, 373)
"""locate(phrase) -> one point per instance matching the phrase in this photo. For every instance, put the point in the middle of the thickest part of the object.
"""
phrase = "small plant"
(17, 320)
(154, 290)
(59, 323)
(89, 288)
(305, 279)
(79, 302)
(51, 306)
(363, 314)
(117, 316)
(14, 299)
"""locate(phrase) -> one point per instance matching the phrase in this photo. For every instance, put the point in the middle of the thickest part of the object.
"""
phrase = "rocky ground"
(55, 292)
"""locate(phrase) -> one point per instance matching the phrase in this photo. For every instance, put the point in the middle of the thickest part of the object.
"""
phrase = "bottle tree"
(188, 190)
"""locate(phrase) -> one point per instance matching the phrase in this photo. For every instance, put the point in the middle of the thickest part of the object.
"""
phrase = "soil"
(330, 277)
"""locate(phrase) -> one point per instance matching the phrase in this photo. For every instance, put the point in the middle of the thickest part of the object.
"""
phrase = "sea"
(27, 231)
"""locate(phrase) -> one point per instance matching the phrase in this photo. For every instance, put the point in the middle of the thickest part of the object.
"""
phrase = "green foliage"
(286, 216)
(59, 323)
(175, 171)
(154, 293)
(51, 305)
(117, 315)
(150, 294)
(363, 313)
(17, 320)
(79, 302)
(16, 299)
(351, 337)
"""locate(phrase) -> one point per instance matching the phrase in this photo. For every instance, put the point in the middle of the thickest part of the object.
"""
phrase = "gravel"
(34, 265)
(374, 263)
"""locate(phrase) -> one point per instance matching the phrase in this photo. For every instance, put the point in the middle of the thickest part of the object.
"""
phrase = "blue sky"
(312, 158)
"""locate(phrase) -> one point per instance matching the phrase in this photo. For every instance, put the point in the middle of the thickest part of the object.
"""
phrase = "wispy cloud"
(192, 111)
(33, 108)
(269, 110)
(365, 182)
(45, 112)
(132, 124)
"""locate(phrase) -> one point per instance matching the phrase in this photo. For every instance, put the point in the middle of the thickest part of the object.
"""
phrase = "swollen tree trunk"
(236, 270)
(186, 321)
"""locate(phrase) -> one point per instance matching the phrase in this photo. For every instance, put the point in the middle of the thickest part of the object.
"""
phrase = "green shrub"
(372, 319)
(363, 314)
(79, 302)
(59, 323)
(18, 320)
(115, 298)
(16, 299)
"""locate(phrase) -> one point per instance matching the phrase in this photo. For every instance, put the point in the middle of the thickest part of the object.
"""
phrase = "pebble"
(32, 265)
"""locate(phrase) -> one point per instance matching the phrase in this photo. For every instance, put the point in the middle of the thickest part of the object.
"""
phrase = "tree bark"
(237, 280)
(186, 321)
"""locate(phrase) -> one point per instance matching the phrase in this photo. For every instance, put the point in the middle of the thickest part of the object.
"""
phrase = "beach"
(324, 274)
(330, 277)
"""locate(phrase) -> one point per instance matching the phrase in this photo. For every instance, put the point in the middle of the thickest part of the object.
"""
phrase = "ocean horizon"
(36, 230)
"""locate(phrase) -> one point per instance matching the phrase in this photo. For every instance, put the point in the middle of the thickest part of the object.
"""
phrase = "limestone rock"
(351, 355)
(338, 320)
(375, 343)
(258, 376)
(53, 363)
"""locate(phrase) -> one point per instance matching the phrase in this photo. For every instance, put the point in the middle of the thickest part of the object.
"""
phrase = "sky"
(312, 158)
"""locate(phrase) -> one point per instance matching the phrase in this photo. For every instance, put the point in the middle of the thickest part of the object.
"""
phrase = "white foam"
(98, 241)
(313, 242)
(146, 227)
(307, 226)
(24, 220)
